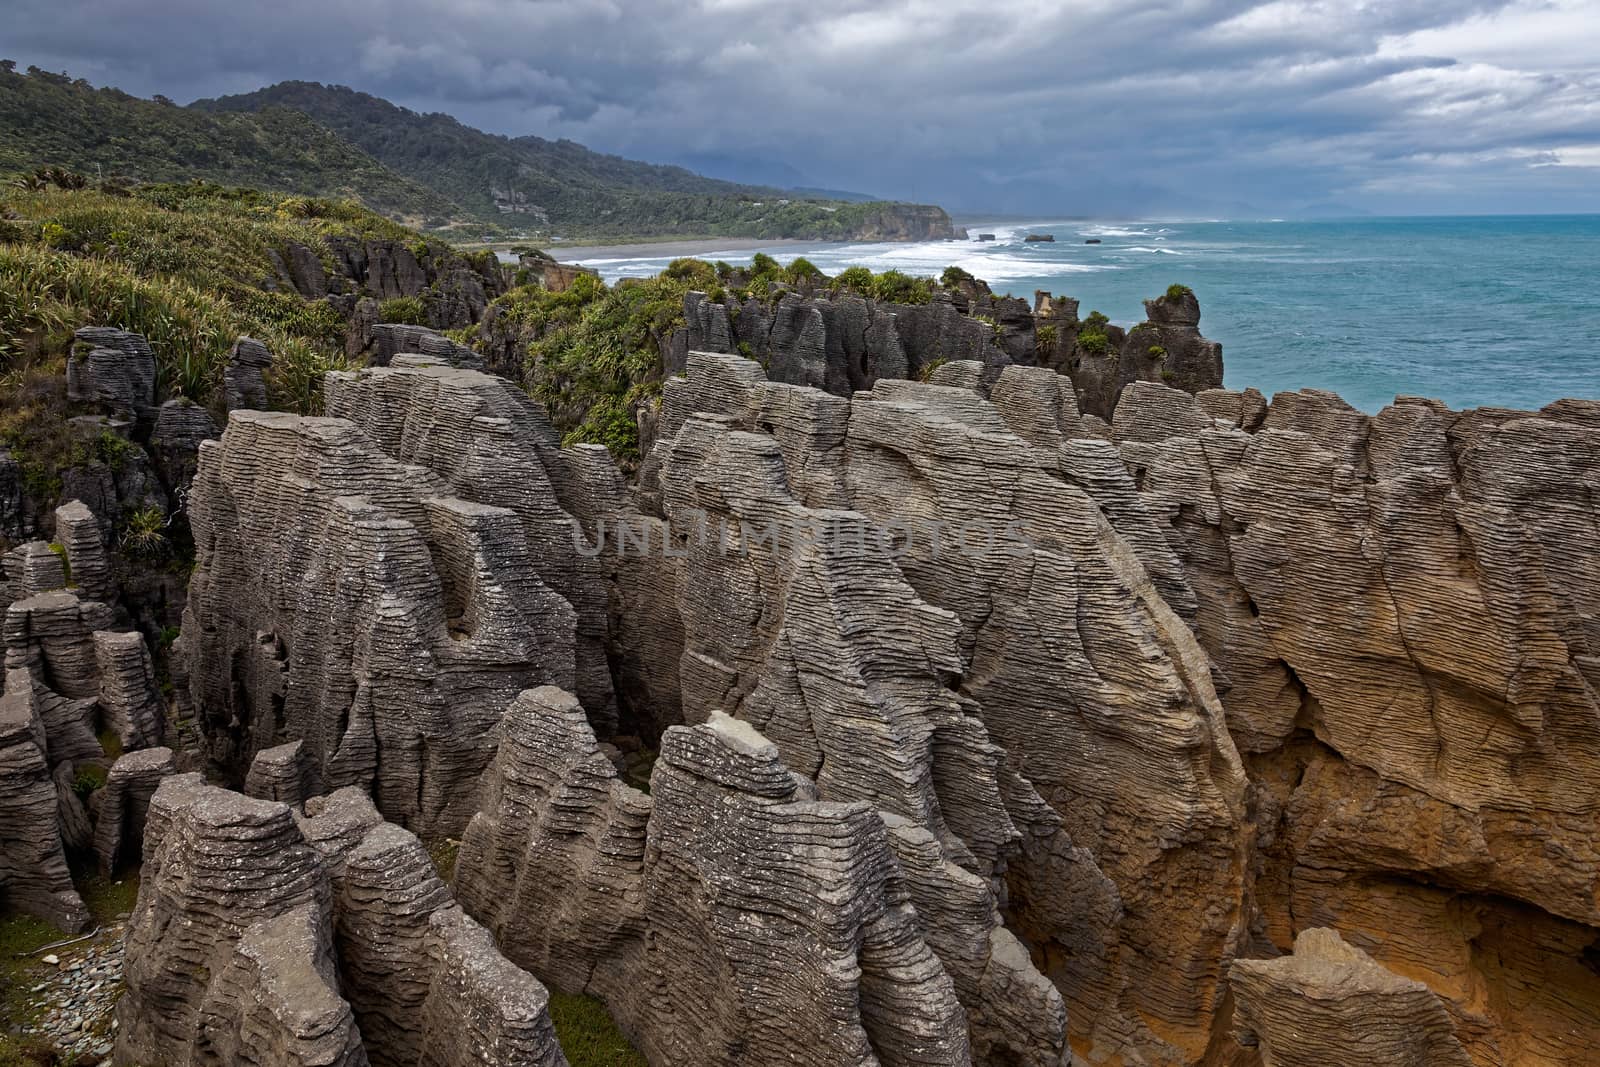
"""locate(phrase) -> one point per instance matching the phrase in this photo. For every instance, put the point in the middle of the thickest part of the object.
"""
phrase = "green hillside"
(563, 178)
(427, 171)
(559, 187)
(52, 120)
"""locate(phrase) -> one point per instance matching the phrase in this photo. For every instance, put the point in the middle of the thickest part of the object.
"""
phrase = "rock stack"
(33, 864)
(243, 385)
(247, 940)
(728, 918)
(1315, 1006)
(841, 343)
(372, 614)
(990, 726)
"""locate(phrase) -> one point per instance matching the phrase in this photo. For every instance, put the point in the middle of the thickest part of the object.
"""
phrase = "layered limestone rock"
(1035, 566)
(480, 1000)
(1030, 711)
(1399, 609)
(276, 1000)
(68, 723)
(347, 600)
(33, 568)
(52, 636)
(116, 372)
(124, 805)
(489, 443)
(78, 533)
(130, 701)
(845, 669)
(251, 944)
(390, 339)
(387, 894)
(1330, 1003)
(726, 918)
(242, 383)
(284, 773)
(181, 425)
(840, 342)
(33, 866)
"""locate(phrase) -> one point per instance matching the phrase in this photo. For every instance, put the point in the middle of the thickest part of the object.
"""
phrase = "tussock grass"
(191, 267)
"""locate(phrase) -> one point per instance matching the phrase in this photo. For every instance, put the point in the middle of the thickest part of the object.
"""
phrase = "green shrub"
(1095, 321)
(403, 309)
(802, 269)
(89, 777)
(114, 450)
(953, 277)
(894, 287)
(144, 533)
(856, 279)
(1157, 352)
(1178, 292)
(1044, 340)
(697, 272)
(764, 266)
(596, 365)
(1095, 342)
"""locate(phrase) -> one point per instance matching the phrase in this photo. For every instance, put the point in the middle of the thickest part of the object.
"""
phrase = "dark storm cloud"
(1208, 106)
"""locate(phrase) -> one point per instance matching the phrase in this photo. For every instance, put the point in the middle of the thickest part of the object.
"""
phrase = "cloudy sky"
(1198, 107)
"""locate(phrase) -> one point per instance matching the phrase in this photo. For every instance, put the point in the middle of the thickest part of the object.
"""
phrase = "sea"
(1475, 311)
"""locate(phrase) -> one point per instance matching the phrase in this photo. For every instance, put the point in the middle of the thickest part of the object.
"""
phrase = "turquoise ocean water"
(1474, 311)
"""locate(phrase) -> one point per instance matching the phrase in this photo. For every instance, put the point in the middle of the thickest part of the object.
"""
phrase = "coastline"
(675, 247)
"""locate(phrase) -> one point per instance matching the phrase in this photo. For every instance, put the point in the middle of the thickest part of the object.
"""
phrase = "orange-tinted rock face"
(1401, 611)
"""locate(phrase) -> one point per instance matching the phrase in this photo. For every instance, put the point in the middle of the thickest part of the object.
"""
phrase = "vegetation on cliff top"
(595, 351)
(187, 266)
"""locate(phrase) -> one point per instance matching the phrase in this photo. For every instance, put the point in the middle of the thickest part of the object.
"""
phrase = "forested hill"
(563, 187)
(53, 120)
(428, 171)
(484, 172)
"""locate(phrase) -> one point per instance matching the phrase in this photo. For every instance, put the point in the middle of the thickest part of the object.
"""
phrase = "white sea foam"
(1123, 231)
(996, 262)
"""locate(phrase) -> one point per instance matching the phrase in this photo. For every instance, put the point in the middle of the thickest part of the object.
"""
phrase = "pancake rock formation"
(728, 917)
(268, 938)
(1008, 717)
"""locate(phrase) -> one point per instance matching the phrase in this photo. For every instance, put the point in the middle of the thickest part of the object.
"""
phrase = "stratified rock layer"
(284, 774)
(1400, 610)
(33, 864)
(265, 938)
(346, 600)
(1012, 721)
(727, 918)
(124, 805)
(1330, 1003)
